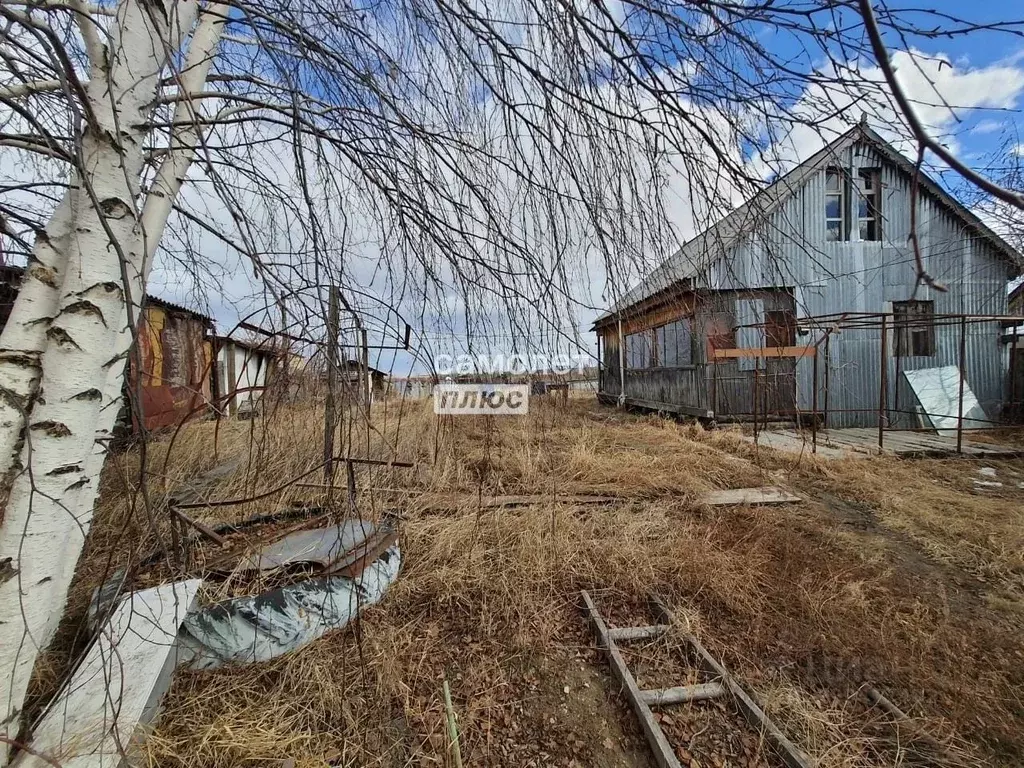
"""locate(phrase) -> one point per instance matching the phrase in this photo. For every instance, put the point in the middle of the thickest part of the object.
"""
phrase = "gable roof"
(698, 253)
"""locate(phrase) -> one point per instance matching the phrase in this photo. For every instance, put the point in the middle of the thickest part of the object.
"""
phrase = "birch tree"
(495, 152)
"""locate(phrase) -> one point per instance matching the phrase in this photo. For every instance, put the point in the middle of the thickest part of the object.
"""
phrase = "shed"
(350, 373)
(174, 383)
(176, 357)
(242, 373)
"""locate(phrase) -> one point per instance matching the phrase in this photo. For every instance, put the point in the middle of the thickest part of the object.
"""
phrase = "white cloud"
(988, 126)
(942, 93)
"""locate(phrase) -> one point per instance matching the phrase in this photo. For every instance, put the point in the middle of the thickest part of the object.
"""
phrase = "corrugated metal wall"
(831, 277)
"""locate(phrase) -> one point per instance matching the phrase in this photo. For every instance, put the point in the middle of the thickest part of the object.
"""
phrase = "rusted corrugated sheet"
(175, 356)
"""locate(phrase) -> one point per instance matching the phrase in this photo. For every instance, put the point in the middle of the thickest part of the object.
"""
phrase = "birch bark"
(45, 523)
(159, 203)
(24, 337)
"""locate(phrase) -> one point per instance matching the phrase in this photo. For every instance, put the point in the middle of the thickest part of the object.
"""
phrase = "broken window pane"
(914, 328)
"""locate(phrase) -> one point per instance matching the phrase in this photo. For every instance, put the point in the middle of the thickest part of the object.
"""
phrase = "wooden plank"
(116, 691)
(988, 449)
(664, 755)
(863, 441)
(664, 697)
(450, 501)
(765, 352)
(748, 706)
(541, 498)
(623, 634)
(687, 410)
(734, 497)
(203, 528)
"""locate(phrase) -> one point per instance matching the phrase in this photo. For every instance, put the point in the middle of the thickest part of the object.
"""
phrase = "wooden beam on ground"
(664, 697)
(664, 755)
(494, 502)
(686, 410)
(450, 501)
(735, 497)
(765, 352)
(115, 693)
(747, 705)
(625, 634)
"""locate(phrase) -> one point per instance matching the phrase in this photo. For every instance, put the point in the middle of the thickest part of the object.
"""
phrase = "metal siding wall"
(869, 276)
(829, 277)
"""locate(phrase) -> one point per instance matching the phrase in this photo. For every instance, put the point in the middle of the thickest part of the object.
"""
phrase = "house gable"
(780, 239)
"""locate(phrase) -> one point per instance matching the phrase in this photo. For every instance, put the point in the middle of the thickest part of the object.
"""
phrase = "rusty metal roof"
(171, 306)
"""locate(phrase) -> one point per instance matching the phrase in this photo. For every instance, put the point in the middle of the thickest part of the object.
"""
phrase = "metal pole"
(331, 353)
(828, 364)
(883, 386)
(754, 398)
(364, 364)
(622, 365)
(814, 402)
(963, 377)
(899, 368)
(1016, 403)
(714, 383)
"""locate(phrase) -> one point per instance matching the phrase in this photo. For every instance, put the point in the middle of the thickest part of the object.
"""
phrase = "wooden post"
(883, 379)
(231, 385)
(963, 377)
(331, 351)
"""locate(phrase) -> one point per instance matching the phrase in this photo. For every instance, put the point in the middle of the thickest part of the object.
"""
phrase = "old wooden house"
(806, 300)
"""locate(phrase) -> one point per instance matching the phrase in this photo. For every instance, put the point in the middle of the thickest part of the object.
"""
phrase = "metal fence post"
(883, 387)
(963, 377)
(814, 402)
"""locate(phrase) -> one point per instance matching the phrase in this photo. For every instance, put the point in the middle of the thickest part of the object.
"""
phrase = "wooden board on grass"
(734, 497)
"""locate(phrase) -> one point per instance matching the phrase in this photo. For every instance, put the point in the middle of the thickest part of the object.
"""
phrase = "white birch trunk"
(45, 521)
(159, 203)
(24, 337)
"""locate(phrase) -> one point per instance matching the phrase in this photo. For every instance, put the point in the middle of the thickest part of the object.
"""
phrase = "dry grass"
(874, 577)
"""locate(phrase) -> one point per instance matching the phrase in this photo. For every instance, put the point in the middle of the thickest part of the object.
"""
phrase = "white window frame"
(874, 200)
(836, 172)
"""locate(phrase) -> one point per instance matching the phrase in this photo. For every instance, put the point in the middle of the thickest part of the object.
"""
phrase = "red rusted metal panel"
(175, 354)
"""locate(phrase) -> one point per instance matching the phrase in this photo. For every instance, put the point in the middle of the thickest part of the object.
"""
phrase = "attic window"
(835, 206)
(868, 207)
